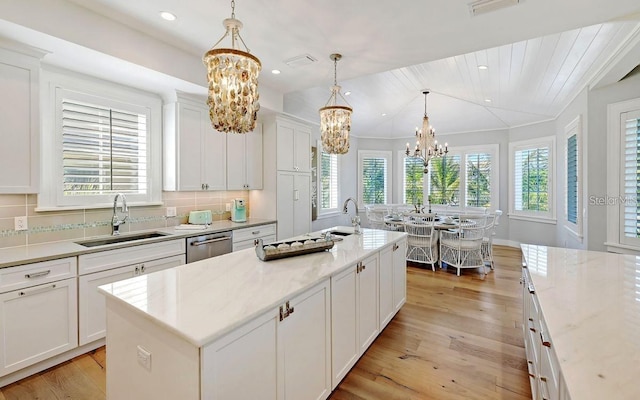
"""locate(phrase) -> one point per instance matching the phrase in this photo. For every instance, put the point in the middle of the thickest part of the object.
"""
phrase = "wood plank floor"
(455, 338)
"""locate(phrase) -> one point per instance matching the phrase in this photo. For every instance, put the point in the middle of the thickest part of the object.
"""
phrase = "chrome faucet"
(355, 221)
(116, 221)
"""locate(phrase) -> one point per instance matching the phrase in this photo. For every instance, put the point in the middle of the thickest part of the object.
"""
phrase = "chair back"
(375, 215)
(420, 227)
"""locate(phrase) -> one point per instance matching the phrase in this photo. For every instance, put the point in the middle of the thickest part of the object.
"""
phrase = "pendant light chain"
(335, 72)
(233, 9)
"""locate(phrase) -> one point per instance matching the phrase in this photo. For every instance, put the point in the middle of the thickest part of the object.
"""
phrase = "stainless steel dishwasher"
(209, 245)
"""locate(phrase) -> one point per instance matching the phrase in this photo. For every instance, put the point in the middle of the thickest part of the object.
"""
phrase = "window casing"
(328, 182)
(374, 177)
(105, 139)
(531, 194)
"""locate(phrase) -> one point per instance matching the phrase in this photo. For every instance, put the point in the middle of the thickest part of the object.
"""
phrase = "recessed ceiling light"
(487, 100)
(384, 114)
(482, 67)
(275, 71)
(347, 93)
(168, 16)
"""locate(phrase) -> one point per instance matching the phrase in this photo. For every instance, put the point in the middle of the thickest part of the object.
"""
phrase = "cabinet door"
(284, 205)
(190, 145)
(236, 162)
(253, 147)
(344, 330)
(37, 323)
(242, 365)
(92, 308)
(158, 265)
(368, 326)
(387, 306)
(304, 347)
(19, 127)
(214, 157)
(302, 149)
(400, 274)
(302, 204)
(285, 146)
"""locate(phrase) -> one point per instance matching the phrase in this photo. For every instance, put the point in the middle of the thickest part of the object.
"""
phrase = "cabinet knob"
(137, 271)
(395, 247)
(142, 269)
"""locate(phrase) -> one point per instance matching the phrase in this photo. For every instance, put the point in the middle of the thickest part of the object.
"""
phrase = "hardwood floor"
(455, 338)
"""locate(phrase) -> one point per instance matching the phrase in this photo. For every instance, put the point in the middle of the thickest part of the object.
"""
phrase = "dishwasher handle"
(203, 242)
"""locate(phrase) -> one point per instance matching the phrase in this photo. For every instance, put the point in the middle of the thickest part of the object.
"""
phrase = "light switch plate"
(20, 223)
(171, 212)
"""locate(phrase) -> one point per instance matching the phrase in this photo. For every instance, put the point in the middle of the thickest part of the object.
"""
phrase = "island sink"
(119, 239)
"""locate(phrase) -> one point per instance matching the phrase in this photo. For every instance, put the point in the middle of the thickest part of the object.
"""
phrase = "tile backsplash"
(53, 226)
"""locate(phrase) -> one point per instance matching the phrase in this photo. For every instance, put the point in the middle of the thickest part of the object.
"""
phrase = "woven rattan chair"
(462, 247)
(422, 240)
(487, 240)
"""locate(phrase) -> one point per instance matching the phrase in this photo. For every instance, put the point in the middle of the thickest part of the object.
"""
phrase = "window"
(531, 194)
(106, 139)
(478, 180)
(631, 185)
(374, 177)
(328, 182)
(573, 189)
(413, 182)
(445, 179)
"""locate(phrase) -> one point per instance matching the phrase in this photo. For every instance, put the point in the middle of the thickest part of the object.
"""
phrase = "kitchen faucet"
(116, 221)
(355, 221)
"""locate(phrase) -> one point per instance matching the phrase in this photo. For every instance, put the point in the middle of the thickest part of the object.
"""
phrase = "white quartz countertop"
(204, 300)
(12, 256)
(590, 302)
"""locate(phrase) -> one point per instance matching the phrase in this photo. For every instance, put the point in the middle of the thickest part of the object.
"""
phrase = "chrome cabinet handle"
(137, 271)
(200, 243)
(255, 232)
(39, 290)
(37, 274)
(531, 288)
(544, 339)
(395, 247)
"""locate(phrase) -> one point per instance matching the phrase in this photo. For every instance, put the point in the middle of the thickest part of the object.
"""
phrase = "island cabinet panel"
(354, 315)
(242, 365)
(399, 273)
(387, 306)
(304, 346)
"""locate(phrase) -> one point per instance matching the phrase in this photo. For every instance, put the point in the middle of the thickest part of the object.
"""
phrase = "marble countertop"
(590, 302)
(204, 300)
(13, 256)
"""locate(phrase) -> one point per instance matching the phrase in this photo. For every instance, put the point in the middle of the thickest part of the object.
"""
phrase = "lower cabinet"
(399, 274)
(245, 238)
(284, 354)
(92, 309)
(393, 281)
(354, 315)
(37, 323)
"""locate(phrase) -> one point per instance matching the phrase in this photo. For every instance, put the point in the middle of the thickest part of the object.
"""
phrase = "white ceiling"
(540, 53)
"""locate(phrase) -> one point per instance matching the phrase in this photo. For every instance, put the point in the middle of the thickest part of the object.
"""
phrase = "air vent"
(484, 6)
(300, 61)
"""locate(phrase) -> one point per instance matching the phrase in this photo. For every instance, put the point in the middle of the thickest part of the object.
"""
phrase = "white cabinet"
(293, 204)
(294, 146)
(244, 160)
(354, 315)
(38, 318)
(19, 122)
(92, 310)
(109, 266)
(194, 153)
(393, 281)
(245, 238)
(399, 274)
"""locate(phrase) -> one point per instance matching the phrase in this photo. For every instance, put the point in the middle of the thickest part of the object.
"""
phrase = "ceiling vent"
(300, 61)
(484, 6)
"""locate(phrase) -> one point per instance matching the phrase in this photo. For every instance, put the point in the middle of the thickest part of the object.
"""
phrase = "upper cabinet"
(294, 146)
(19, 121)
(194, 153)
(244, 160)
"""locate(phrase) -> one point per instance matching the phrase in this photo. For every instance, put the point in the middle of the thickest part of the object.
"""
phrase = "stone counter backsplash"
(54, 226)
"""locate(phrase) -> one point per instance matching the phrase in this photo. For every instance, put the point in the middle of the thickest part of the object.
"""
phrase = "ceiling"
(540, 53)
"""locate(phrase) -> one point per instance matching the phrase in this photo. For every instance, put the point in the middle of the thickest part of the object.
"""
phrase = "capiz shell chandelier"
(335, 120)
(426, 144)
(233, 82)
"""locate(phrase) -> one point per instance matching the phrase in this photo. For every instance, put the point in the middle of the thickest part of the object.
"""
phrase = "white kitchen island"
(235, 327)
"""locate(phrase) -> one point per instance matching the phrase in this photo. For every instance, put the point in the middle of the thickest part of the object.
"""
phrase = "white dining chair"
(487, 240)
(422, 239)
(462, 247)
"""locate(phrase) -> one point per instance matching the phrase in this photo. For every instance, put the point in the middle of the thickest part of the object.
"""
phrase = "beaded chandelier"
(233, 82)
(426, 144)
(335, 120)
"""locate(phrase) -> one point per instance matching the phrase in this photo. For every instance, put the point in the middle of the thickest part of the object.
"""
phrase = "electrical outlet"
(171, 212)
(228, 205)
(20, 223)
(144, 357)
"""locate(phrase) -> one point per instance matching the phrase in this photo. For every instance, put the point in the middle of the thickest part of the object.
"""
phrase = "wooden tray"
(274, 251)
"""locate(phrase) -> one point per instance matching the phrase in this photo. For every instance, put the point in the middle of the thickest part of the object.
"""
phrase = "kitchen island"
(237, 327)
(581, 323)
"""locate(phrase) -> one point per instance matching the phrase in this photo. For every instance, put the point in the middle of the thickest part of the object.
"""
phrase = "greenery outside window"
(413, 181)
(329, 175)
(374, 177)
(445, 179)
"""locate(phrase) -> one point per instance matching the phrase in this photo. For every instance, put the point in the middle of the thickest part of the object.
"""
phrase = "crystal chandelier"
(426, 144)
(233, 82)
(335, 120)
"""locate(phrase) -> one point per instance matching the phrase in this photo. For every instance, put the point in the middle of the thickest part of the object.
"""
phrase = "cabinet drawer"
(13, 278)
(254, 232)
(104, 260)
(247, 244)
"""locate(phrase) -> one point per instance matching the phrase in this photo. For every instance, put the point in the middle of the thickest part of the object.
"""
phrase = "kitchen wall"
(83, 223)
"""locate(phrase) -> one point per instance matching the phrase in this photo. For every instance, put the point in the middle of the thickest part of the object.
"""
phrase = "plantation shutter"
(329, 181)
(374, 176)
(572, 179)
(630, 202)
(413, 180)
(478, 182)
(531, 179)
(104, 150)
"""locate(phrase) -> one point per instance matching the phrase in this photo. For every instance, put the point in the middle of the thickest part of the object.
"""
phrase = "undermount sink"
(339, 233)
(120, 239)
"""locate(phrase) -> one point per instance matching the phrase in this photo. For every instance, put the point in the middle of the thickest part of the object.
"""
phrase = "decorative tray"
(292, 248)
